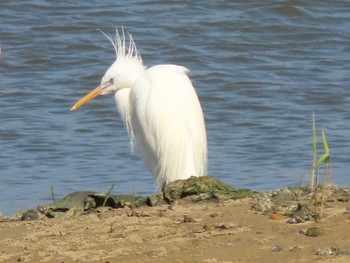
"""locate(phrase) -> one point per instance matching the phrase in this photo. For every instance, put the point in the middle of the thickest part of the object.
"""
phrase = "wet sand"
(226, 231)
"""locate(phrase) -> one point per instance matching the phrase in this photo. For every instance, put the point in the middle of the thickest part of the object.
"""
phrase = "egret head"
(122, 73)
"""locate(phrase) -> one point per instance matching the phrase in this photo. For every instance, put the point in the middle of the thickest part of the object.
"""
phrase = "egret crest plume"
(119, 44)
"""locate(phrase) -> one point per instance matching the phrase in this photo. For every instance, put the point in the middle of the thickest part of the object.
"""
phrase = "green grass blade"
(325, 145)
(325, 156)
(314, 141)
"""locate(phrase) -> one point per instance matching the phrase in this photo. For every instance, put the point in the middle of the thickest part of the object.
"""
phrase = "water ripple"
(260, 69)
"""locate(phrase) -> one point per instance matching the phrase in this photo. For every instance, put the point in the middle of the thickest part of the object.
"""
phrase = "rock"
(326, 251)
(188, 219)
(277, 249)
(203, 188)
(209, 186)
(262, 203)
(86, 201)
(72, 202)
(300, 204)
(216, 214)
(275, 217)
(30, 215)
(172, 207)
(342, 195)
(282, 196)
(102, 209)
(315, 232)
(20, 259)
(155, 200)
(295, 249)
(301, 214)
(283, 201)
(118, 201)
(301, 232)
(191, 235)
(142, 214)
(226, 226)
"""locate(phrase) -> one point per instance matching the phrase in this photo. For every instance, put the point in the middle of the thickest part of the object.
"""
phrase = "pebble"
(295, 202)
(172, 207)
(275, 217)
(315, 232)
(216, 214)
(191, 235)
(30, 215)
(153, 200)
(20, 259)
(277, 249)
(326, 251)
(262, 202)
(301, 214)
(188, 219)
(295, 249)
(142, 214)
(226, 226)
(102, 209)
(301, 232)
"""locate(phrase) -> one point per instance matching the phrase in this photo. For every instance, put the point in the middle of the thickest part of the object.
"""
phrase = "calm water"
(260, 69)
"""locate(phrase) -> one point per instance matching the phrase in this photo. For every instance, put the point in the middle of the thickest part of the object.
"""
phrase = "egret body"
(161, 112)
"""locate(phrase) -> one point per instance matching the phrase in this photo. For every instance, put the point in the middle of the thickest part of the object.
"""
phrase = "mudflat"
(216, 231)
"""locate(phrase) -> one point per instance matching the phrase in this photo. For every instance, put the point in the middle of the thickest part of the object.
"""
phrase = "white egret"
(161, 112)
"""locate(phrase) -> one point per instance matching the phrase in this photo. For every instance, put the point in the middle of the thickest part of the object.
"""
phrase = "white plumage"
(161, 112)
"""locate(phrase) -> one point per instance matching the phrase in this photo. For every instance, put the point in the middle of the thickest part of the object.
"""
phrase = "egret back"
(168, 124)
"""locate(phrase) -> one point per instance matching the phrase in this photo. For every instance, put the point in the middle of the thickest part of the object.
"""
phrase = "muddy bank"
(281, 225)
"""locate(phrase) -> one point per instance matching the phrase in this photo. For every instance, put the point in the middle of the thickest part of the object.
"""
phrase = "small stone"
(277, 249)
(30, 215)
(71, 212)
(172, 207)
(216, 214)
(208, 227)
(188, 219)
(143, 214)
(275, 217)
(20, 259)
(301, 214)
(282, 196)
(201, 197)
(226, 226)
(315, 232)
(301, 232)
(155, 200)
(102, 209)
(295, 249)
(89, 203)
(262, 203)
(326, 251)
(191, 235)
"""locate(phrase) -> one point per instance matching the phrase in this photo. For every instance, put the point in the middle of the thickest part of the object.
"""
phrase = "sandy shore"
(226, 231)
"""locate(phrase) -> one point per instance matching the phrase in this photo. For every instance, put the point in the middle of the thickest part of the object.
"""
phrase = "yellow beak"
(93, 94)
